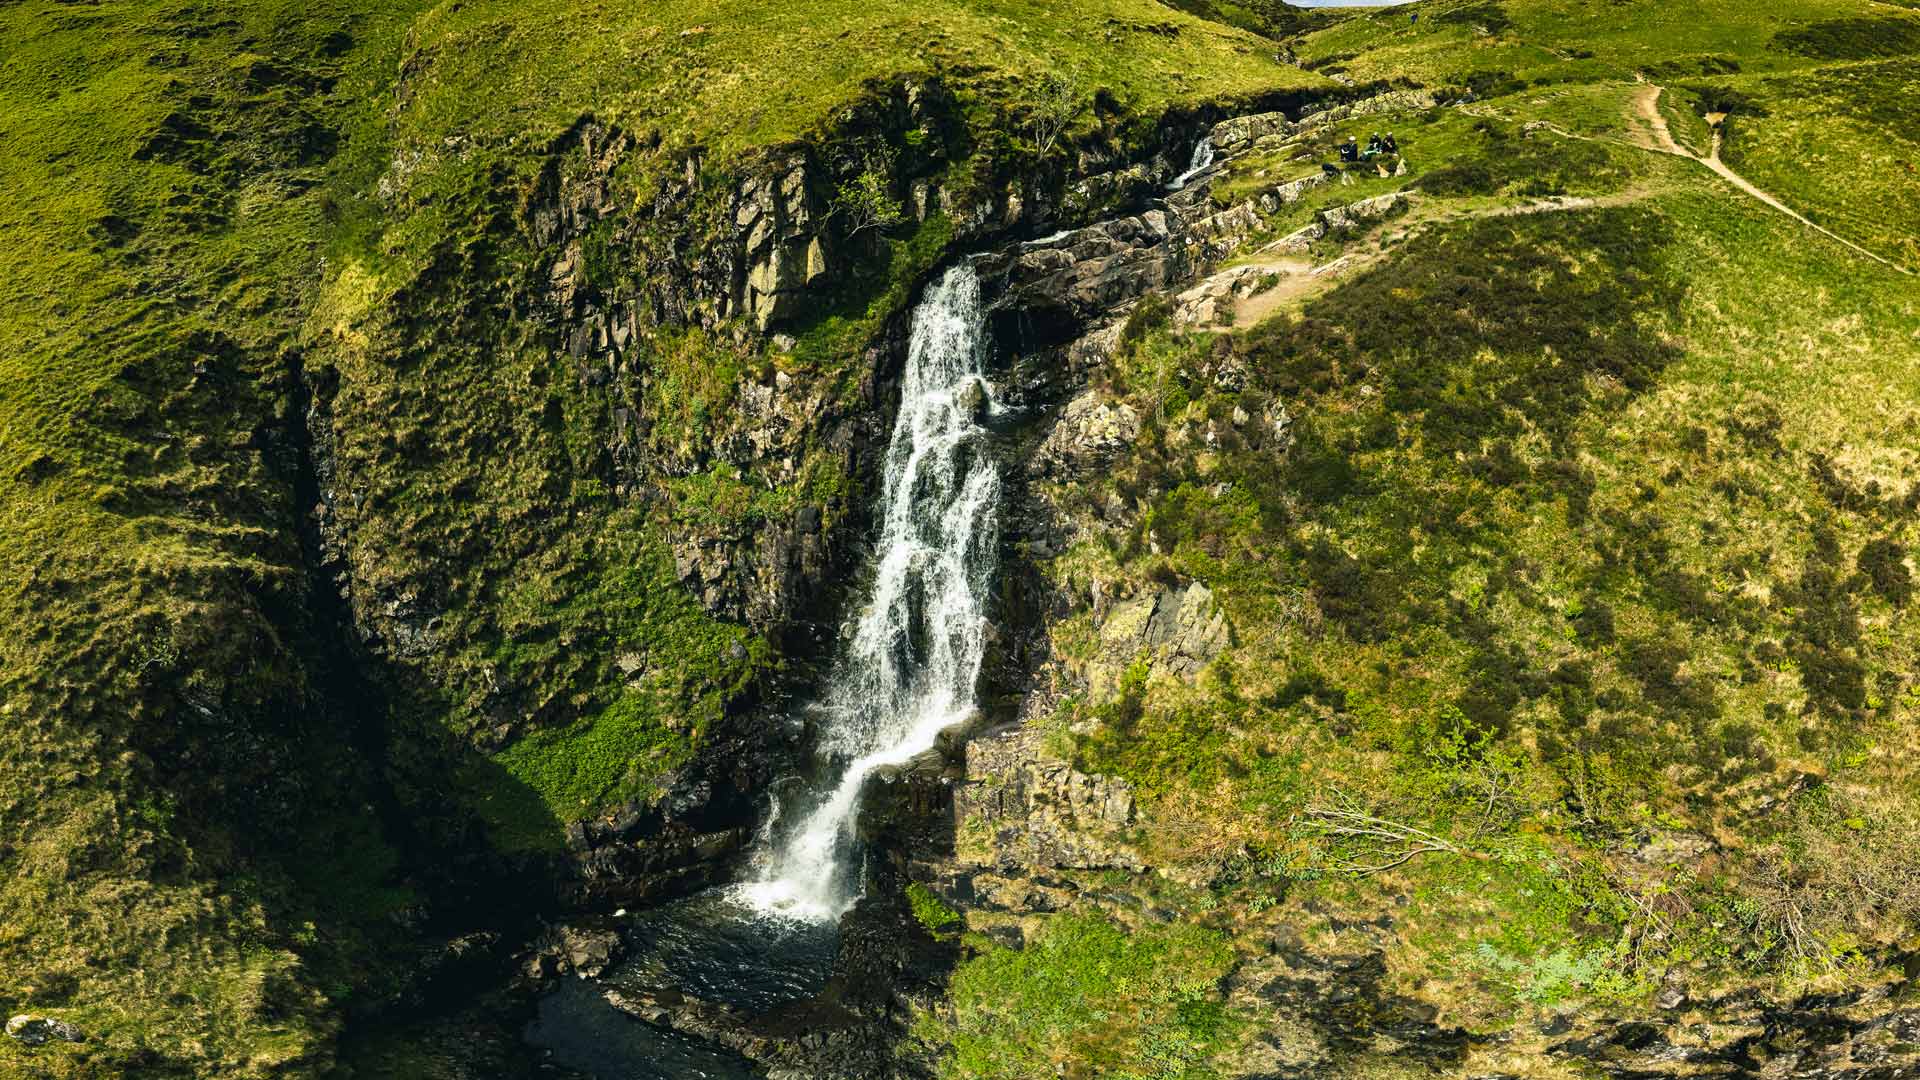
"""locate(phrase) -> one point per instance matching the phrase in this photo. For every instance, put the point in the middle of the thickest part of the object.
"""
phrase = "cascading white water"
(1201, 160)
(910, 669)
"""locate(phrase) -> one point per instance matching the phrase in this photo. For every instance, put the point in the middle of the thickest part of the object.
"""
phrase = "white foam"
(911, 665)
(1201, 161)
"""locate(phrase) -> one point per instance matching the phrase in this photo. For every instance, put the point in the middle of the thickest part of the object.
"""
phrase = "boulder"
(1241, 131)
(1179, 630)
(1058, 288)
(1391, 101)
(1351, 216)
(1355, 214)
(30, 1030)
(584, 951)
(1090, 432)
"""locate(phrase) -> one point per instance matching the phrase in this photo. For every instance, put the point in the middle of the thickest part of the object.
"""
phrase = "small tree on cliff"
(866, 201)
(1056, 101)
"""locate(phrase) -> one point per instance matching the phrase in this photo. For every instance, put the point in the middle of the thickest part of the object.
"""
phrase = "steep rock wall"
(591, 478)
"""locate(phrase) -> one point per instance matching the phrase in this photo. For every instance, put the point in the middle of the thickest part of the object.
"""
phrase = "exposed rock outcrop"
(1178, 630)
(1018, 811)
(573, 950)
(30, 1030)
(1336, 218)
(1089, 432)
(1250, 132)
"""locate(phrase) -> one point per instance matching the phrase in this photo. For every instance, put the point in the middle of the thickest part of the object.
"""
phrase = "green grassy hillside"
(167, 749)
(1813, 86)
(1596, 533)
(203, 814)
(1594, 542)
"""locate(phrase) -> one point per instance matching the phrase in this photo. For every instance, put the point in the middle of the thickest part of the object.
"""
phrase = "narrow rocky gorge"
(1055, 305)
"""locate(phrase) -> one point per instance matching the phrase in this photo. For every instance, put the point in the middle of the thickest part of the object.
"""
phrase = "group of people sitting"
(1376, 146)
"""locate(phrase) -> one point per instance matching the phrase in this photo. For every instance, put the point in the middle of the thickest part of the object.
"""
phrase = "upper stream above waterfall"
(1202, 161)
(912, 658)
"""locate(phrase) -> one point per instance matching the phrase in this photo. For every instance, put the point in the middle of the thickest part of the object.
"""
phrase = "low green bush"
(1854, 38)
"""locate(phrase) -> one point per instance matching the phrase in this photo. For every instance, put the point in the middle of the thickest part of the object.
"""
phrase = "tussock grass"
(1586, 536)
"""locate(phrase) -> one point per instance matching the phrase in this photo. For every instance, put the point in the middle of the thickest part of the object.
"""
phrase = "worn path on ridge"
(1659, 138)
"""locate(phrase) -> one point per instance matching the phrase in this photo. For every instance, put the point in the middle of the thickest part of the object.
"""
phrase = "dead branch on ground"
(1382, 843)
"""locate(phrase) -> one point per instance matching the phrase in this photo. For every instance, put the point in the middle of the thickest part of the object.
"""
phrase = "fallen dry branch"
(1384, 844)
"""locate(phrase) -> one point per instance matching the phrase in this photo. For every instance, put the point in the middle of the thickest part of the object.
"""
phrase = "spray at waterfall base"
(913, 656)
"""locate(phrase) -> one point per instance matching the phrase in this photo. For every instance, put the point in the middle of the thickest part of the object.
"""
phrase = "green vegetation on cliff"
(218, 804)
(339, 560)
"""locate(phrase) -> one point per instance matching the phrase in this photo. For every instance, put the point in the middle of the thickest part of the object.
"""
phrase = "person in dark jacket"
(1350, 150)
(1388, 145)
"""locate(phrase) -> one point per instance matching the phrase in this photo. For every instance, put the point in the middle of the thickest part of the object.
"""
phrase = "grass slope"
(163, 217)
(195, 866)
(1595, 541)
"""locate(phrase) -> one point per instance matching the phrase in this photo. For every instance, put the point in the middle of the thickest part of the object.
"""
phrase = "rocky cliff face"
(603, 561)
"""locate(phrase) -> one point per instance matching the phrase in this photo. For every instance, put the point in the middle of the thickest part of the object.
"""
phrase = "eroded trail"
(1658, 137)
(1295, 279)
(1646, 106)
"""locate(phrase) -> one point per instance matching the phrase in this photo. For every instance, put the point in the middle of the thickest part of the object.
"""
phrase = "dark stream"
(705, 947)
(579, 1030)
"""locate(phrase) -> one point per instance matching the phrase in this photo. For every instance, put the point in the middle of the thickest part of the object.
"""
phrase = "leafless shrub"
(1844, 863)
(1369, 844)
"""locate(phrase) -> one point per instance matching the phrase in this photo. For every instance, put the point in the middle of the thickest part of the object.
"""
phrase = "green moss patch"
(1089, 995)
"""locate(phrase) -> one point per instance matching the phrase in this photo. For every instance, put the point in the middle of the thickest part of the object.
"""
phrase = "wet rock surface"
(585, 951)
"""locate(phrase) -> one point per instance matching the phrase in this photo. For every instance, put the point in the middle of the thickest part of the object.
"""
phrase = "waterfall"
(910, 667)
(1202, 158)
